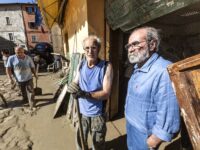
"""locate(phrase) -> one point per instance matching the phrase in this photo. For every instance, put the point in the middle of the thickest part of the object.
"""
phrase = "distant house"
(17, 27)
(12, 30)
(34, 33)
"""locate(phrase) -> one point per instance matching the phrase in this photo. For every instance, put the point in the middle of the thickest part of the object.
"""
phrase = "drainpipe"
(104, 31)
(25, 32)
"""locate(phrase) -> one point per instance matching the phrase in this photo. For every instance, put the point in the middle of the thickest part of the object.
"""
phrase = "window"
(11, 37)
(8, 21)
(34, 38)
(32, 25)
(30, 10)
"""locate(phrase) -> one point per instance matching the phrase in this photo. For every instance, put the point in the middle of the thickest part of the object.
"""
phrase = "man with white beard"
(151, 109)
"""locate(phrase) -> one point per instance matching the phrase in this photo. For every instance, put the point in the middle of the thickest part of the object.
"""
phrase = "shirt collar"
(146, 67)
(20, 58)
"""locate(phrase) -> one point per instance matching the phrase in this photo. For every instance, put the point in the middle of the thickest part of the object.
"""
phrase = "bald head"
(19, 51)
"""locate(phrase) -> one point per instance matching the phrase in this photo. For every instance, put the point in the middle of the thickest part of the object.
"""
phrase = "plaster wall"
(16, 26)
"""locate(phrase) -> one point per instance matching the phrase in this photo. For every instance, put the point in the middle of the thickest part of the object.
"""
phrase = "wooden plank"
(185, 76)
(128, 14)
(60, 100)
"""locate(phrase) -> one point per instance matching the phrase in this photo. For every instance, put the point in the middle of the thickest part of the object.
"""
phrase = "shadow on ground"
(44, 102)
(19, 103)
(117, 144)
(175, 145)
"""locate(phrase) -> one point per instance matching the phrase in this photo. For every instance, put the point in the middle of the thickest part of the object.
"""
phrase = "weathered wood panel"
(185, 76)
(128, 14)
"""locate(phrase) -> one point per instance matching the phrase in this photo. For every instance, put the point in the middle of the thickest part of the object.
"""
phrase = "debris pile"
(13, 134)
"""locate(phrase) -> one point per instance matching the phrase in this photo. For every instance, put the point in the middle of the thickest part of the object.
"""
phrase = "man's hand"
(153, 141)
(73, 88)
(11, 81)
(82, 94)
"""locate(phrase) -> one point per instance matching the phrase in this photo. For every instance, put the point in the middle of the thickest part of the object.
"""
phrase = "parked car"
(43, 50)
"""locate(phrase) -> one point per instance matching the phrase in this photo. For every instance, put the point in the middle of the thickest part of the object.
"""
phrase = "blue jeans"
(136, 140)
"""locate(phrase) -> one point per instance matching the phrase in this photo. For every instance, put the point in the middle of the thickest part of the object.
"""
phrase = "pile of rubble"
(13, 134)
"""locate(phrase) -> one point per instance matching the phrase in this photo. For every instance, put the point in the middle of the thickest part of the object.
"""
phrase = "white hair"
(96, 40)
(152, 34)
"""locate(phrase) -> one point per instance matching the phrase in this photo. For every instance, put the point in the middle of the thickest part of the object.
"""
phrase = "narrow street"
(22, 130)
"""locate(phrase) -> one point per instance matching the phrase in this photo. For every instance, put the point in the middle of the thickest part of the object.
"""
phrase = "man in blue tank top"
(151, 109)
(92, 86)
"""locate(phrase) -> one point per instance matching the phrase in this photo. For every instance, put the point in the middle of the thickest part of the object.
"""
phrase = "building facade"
(34, 34)
(12, 31)
(18, 27)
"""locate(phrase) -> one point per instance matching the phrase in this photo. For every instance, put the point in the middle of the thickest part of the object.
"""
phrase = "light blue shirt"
(151, 104)
(21, 67)
(91, 80)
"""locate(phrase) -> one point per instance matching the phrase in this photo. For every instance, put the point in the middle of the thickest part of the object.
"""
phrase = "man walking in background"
(92, 86)
(151, 110)
(5, 54)
(23, 67)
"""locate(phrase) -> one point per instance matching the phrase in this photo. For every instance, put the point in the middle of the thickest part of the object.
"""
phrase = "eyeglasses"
(87, 48)
(135, 44)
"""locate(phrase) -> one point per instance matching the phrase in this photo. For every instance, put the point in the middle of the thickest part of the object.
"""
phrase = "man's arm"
(32, 66)
(9, 70)
(167, 116)
(9, 74)
(107, 84)
(34, 72)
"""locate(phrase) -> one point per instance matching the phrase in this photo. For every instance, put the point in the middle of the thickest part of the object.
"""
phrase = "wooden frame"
(185, 76)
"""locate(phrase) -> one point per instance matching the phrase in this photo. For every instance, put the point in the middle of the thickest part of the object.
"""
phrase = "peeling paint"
(173, 86)
(161, 5)
(170, 3)
(157, 1)
(183, 113)
(181, 86)
(180, 4)
(195, 137)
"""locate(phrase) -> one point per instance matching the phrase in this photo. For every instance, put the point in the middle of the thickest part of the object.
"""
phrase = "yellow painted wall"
(83, 17)
(75, 21)
(96, 21)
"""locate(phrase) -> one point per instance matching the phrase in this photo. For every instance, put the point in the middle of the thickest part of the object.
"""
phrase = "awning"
(52, 10)
(128, 14)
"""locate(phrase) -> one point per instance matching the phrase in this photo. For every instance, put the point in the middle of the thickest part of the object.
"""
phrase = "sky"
(17, 1)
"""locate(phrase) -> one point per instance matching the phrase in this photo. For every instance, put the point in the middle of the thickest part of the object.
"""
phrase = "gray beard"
(140, 57)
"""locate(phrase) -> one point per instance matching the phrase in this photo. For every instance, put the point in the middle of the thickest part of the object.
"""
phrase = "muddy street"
(22, 129)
